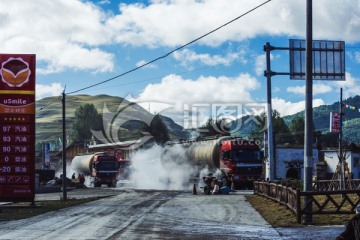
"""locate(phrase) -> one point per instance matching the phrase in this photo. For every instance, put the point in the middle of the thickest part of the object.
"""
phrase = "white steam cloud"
(150, 172)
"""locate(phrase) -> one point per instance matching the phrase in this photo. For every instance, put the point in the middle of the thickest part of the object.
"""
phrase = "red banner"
(334, 122)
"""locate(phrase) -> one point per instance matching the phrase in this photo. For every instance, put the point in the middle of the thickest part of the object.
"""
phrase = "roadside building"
(289, 162)
(352, 160)
(122, 150)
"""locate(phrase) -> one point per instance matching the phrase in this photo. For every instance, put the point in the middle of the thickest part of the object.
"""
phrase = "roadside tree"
(86, 118)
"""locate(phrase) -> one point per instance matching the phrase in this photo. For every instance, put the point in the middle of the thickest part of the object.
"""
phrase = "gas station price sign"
(17, 127)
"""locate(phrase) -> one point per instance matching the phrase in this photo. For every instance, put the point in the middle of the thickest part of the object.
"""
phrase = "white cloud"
(143, 62)
(357, 56)
(54, 89)
(287, 107)
(76, 58)
(63, 34)
(260, 64)
(204, 89)
(202, 94)
(297, 90)
(164, 22)
(350, 86)
(186, 57)
(276, 89)
(318, 88)
(70, 34)
(104, 2)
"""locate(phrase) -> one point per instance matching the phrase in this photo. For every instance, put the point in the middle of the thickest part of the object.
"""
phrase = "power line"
(158, 77)
(49, 103)
(176, 49)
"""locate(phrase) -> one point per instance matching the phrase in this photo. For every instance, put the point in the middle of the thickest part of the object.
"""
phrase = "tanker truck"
(238, 160)
(103, 168)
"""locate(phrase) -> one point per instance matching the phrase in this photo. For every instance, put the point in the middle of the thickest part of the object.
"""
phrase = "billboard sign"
(328, 60)
(17, 124)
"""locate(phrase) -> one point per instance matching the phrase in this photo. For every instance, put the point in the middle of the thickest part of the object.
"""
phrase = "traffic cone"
(194, 190)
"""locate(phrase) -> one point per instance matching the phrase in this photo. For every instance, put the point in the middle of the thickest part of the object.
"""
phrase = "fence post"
(298, 205)
(287, 189)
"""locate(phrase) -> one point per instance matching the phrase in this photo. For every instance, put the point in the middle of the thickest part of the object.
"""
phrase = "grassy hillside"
(49, 112)
(114, 109)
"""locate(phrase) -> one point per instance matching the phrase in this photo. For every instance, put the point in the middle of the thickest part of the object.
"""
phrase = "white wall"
(284, 155)
(352, 159)
(331, 159)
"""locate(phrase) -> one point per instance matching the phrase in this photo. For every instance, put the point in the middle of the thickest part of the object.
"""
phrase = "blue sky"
(81, 43)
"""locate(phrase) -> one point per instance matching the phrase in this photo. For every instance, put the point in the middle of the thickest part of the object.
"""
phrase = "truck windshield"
(107, 166)
(240, 155)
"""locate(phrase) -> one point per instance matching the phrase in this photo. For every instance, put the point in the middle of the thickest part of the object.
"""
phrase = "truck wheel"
(114, 183)
(96, 184)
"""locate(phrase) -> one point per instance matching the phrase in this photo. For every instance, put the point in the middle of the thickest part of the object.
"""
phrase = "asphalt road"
(145, 214)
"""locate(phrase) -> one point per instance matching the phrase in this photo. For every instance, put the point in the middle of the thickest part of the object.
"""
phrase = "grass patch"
(21, 211)
(278, 215)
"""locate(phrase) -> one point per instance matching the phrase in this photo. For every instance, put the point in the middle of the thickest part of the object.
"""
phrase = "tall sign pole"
(308, 113)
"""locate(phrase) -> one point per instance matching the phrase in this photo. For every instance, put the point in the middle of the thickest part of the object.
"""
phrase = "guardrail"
(318, 202)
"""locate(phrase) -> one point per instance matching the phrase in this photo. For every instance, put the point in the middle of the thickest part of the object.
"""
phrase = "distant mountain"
(321, 118)
(351, 118)
(49, 118)
(176, 130)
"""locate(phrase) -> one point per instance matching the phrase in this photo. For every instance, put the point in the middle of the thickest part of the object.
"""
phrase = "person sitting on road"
(232, 185)
(81, 179)
(216, 189)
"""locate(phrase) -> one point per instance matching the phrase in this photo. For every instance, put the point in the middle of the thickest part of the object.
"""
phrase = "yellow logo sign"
(15, 72)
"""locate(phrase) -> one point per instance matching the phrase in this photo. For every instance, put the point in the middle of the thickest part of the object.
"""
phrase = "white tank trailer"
(237, 159)
(103, 168)
(82, 164)
(205, 152)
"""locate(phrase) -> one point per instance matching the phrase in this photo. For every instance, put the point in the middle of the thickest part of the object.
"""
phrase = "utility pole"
(308, 151)
(341, 155)
(64, 147)
(268, 74)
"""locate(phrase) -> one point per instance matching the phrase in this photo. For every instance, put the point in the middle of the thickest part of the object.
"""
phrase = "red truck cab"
(105, 169)
(241, 161)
